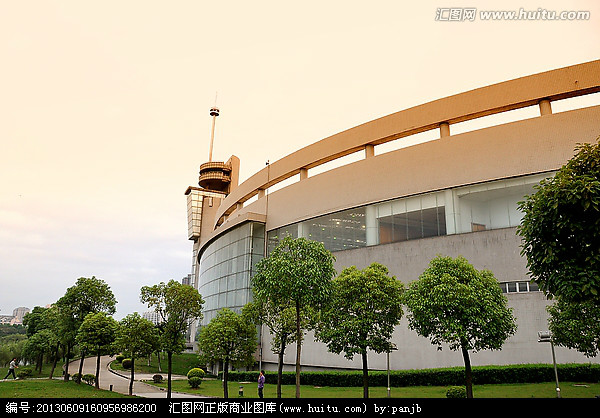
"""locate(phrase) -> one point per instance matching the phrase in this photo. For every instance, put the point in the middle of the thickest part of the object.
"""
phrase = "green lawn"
(46, 369)
(181, 364)
(55, 388)
(213, 388)
(34, 388)
(45, 388)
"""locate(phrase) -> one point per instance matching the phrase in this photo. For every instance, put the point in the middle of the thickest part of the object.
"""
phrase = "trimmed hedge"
(89, 378)
(525, 373)
(24, 372)
(195, 372)
(456, 392)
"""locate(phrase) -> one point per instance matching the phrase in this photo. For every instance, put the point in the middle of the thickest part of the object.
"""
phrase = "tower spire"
(214, 112)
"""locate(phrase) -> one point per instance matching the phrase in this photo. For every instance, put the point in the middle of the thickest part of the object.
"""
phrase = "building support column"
(545, 107)
(371, 225)
(303, 173)
(444, 129)
(451, 208)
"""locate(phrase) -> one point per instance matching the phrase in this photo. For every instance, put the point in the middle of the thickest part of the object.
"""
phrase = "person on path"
(261, 383)
(11, 369)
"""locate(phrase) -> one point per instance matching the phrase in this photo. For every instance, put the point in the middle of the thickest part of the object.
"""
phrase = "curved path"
(119, 382)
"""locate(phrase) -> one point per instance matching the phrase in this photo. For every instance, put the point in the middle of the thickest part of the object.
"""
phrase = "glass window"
(225, 268)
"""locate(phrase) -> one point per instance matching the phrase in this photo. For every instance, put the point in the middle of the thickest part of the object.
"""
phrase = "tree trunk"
(98, 371)
(298, 348)
(225, 377)
(159, 365)
(468, 372)
(132, 375)
(66, 377)
(40, 362)
(55, 360)
(365, 375)
(81, 366)
(170, 359)
(280, 370)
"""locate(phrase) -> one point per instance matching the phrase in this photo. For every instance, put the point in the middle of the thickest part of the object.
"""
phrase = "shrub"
(157, 378)
(24, 372)
(76, 377)
(195, 372)
(120, 358)
(126, 363)
(518, 373)
(456, 392)
(90, 379)
(194, 382)
(195, 376)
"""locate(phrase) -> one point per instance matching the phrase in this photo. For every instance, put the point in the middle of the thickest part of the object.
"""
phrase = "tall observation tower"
(217, 179)
(215, 175)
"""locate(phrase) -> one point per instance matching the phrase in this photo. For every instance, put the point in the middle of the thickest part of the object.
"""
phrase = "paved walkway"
(119, 381)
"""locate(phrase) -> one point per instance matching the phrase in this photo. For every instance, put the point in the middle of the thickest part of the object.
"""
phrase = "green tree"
(97, 336)
(11, 346)
(365, 308)
(228, 337)
(454, 303)
(281, 323)
(298, 271)
(561, 229)
(7, 329)
(178, 305)
(43, 330)
(88, 295)
(34, 320)
(52, 322)
(37, 346)
(576, 325)
(137, 337)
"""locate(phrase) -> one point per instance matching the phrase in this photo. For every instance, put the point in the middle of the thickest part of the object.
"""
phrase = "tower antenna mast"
(214, 112)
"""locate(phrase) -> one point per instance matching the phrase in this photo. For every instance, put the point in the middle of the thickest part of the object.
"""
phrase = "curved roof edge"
(572, 81)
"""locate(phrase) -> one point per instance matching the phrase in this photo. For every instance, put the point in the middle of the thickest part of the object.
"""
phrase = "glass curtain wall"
(226, 266)
(474, 208)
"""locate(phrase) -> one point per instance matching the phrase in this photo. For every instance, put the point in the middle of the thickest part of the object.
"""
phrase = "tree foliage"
(229, 337)
(297, 272)
(365, 308)
(34, 320)
(280, 320)
(137, 337)
(177, 305)
(561, 229)
(576, 326)
(453, 303)
(88, 295)
(96, 336)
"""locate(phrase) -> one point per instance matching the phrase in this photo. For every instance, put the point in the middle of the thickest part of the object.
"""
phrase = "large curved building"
(454, 195)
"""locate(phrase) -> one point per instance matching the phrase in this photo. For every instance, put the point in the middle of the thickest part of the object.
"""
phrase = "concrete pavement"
(119, 381)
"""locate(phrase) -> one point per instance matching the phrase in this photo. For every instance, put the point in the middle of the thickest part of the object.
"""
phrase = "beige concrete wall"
(496, 250)
(522, 92)
(528, 146)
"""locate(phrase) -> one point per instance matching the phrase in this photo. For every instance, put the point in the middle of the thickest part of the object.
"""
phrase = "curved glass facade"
(473, 208)
(227, 263)
(226, 266)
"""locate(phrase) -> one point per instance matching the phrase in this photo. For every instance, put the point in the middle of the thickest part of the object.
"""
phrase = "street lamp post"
(546, 337)
(393, 347)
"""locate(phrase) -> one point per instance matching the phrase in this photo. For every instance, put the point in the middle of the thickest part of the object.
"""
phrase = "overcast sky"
(104, 110)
